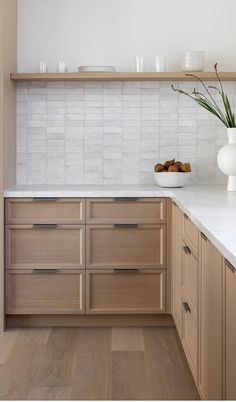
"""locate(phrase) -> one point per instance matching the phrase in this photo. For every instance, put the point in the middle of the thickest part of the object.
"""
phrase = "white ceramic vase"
(226, 159)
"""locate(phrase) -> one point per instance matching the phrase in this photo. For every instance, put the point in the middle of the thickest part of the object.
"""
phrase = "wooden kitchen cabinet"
(191, 235)
(46, 246)
(176, 272)
(47, 292)
(190, 304)
(125, 291)
(230, 331)
(190, 275)
(125, 210)
(137, 246)
(185, 282)
(44, 210)
(211, 322)
(190, 333)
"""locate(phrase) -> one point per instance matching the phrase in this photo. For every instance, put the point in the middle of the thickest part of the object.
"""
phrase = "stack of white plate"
(97, 69)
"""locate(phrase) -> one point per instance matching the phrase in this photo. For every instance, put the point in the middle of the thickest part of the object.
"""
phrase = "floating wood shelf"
(166, 76)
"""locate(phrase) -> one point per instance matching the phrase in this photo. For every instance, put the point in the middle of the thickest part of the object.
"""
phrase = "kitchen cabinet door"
(177, 254)
(126, 246)
(125, 291)
(45, 292)
(48, 210)
(211, 322)
(45, 246)
(230, 331)
(126, 210)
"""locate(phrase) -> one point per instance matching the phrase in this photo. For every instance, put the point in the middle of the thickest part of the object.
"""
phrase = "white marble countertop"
(211, 208)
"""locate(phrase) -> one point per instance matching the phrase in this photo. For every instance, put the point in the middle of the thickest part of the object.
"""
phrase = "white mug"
(160, 64)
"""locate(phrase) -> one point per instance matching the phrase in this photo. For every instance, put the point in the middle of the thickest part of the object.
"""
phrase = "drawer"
(61, 292)
(118, 292)
(44, 210)
(190, 334)
(191, 234)
(45, 246)
(190, 275)
(137, 246)
(126, 210)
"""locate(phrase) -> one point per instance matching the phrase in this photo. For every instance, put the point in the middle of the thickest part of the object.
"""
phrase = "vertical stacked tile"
(113, 132)
(187, 131)
(112, 140)
(93, 132)
(37, 133)
(150, 129)
(74, 133)
(131, 132)
(22, 133)
(55, 144)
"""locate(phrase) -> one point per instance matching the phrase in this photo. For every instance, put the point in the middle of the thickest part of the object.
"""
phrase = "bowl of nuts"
(172, 173)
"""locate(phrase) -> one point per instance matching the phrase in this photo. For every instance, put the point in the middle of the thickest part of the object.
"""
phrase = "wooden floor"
(94, 363)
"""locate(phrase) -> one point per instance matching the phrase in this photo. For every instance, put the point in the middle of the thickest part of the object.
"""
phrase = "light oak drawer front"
(45, 210)
(125, 292)
(109, 246)
(190, 335)
(126, 210)
(47, 246)
(190, 275)
(62, 292)
(191, 234)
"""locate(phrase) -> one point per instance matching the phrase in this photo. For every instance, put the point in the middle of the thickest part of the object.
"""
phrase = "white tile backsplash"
(112, 132)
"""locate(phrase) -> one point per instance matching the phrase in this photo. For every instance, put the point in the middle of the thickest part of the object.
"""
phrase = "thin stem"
(217, 75)
(204, 85)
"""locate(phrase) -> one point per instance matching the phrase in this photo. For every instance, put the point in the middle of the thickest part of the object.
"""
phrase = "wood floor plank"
(168, 369)
(127, 339)
(36, 335)
(7, 341)
(93, 364)
(57, 360)
(37, 364)
(130, 379)
(51, 393)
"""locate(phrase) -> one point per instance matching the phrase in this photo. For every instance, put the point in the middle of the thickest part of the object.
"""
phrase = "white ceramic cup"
(160, 64)
(43, 66)
(193, 61)
(139, 63)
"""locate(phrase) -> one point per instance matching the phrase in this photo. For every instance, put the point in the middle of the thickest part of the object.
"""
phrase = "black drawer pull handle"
(126, 199)
(125, 270)
(44, 271)
(187, 250)
(186, 217)
(186, 307)
(230, 266)
(45, 226)
(203, 236)
(45, 199)
(126, 225)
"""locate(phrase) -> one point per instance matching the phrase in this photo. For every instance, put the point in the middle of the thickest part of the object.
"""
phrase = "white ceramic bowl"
(172, 179)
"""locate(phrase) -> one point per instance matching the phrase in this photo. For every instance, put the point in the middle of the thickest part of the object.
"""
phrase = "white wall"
(114, 31)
